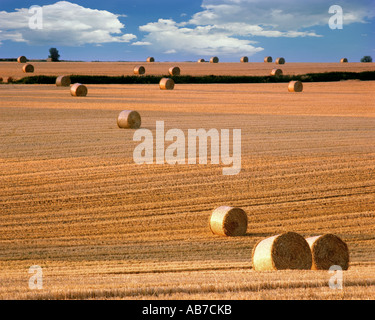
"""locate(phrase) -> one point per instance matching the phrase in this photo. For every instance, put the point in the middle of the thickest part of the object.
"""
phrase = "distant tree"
(366, 59)
(54, 54)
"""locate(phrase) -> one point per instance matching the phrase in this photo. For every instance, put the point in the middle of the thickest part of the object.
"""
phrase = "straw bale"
(284, 251)
(228, 221)
(328, 250)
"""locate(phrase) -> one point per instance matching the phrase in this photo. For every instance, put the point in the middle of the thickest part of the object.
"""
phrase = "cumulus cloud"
(227, 26)
(141, 43)
(170, 37)
(290, 15)
(64, 23)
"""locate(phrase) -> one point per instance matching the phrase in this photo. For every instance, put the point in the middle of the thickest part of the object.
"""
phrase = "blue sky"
(180, 30)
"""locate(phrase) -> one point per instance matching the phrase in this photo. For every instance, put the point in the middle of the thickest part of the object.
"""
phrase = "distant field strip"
(149, 79)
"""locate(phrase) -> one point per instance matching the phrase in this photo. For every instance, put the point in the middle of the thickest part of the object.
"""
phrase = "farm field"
(73, 201)
(187, 68)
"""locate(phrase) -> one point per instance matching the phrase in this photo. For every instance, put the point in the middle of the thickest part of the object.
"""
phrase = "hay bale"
(244, 59)
(139, 70)
(28, 68)
(343, 60)
(284, 251)
(228, 221)
(295, 86)
(328, 250)
(166, 84)
(63, 81)
(174, 71)
(276, 72)
(280, 61)
(201, 60)
(78, 90)
(214, 60)
(268, 59)
(128, 119)
(22, 59)
(150, 59)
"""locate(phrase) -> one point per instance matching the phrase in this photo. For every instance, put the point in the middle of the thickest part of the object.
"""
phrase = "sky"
(180, 30)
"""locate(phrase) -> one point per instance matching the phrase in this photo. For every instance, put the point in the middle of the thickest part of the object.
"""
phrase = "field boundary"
(186, 79)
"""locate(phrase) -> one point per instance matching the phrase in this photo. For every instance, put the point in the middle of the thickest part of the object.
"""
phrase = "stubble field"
(73, 201)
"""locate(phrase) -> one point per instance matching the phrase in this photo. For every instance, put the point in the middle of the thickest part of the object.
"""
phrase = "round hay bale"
(128, 119)
(228, 221)
(63, 81)
(78, 90)
(28, 68)
(139, 70)
(276, 72)
(166, 84)
(201, 60)
(22, 59)
(174, 71)
(284, 251)
(328, 250)
(268, 59)
(295, 86)
(214, 60)
(343, 60)
(280, 61)
(150, 59)
(244, 59)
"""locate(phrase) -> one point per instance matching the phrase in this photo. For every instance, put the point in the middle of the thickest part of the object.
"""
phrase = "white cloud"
(170, 51)
(227, 26)
(167, 35)
(141, 43)
(290, 15)
(64, 23)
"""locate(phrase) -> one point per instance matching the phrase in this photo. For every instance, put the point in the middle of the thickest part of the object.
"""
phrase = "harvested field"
(73, 201)
(189, 68)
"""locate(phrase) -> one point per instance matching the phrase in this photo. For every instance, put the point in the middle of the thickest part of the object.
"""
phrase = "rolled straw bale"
(284, 251)
(268, 59)
(276, 72)
(28, 68)
(174, 71)
(201, 60)
(280, 61)
(328, 250)
(343, 60)
(166, 84)
(214, 60)
(63, 81)
(129, 119)
(228, 221)
(244, 59)
(139, 70)
(295, 86)
(150, 59)
(78, 90)
(22, 59)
